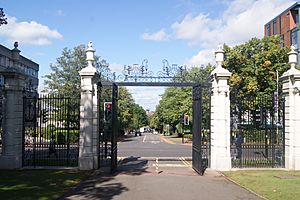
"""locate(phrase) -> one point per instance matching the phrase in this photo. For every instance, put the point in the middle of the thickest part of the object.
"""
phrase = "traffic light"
(45, 115)
(107, 111)
(186, 120)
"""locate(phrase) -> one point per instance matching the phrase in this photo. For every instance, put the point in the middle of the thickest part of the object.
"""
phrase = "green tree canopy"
(131, 115)
(64, 77)
(177, 100)
(254, 64)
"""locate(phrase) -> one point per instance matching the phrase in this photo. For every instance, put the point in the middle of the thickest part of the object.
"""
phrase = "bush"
(62, 136)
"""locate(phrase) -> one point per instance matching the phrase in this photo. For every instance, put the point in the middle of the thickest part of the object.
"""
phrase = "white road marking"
(144, 138)
(155, 142)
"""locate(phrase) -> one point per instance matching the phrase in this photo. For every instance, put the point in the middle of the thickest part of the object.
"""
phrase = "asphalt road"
(152, 167)
(152, 146)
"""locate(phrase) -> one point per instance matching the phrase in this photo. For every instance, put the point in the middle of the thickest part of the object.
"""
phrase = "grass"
(271, 184)
(37, 184)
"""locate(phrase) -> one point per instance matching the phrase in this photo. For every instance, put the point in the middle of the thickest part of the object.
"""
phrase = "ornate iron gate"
(140, 75)
(50, 131)
(201, 129)
(257, 132)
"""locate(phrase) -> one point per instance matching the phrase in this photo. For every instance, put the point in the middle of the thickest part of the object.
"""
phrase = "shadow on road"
(103, 185)
(132, 166)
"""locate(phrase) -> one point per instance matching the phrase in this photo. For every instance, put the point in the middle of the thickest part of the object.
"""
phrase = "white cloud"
(241, 21)
(157, 36)
(148, 97)
(202, 58)
(32, 32)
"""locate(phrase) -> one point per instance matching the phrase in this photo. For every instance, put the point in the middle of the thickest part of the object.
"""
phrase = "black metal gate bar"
(114, 124)
(196, 131)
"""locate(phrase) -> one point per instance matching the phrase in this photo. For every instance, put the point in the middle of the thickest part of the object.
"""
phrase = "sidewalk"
(137, 180)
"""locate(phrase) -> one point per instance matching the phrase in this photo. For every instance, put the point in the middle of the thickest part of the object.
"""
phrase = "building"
(286, 26)
(11, 58)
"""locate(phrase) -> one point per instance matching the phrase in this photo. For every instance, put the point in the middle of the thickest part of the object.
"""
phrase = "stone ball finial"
(220, 47)
(16, 44)
(293, 48)
(90, 44)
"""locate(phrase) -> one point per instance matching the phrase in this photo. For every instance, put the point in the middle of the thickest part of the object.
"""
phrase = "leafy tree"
(65, 78)
(131, 115)
(3, 19)
(253, 66)
(176, 101)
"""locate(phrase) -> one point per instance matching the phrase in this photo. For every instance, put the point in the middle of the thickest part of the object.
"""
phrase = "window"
(294, 38)
(274, 27)
(281, 41)
(268, 31)
(297, 18)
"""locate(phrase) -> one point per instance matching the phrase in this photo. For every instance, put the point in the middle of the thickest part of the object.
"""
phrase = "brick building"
(285, 25)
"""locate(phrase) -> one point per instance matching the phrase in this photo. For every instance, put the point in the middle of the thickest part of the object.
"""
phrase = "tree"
(65, 78)
(131, 115)
(3, 19)
(64, 81)
(176, 101)
(253, 66)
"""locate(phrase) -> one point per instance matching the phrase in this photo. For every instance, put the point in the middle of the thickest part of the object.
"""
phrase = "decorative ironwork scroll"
(141, 73)
(105, 72)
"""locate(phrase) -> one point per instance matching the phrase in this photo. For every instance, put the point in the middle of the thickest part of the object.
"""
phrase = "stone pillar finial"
(15, 53)
(292, 57)
(90, 54)
(219, 55)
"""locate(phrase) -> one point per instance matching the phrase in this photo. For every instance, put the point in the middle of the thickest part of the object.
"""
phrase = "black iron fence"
(257, 132)
(51, 130)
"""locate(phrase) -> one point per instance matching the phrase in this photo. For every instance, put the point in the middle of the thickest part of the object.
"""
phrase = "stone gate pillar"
(220, 115)
(88, 146)
(291, 91)
(14, 83)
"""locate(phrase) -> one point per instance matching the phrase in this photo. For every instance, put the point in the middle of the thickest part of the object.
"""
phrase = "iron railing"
(257, 132)
(51, 131)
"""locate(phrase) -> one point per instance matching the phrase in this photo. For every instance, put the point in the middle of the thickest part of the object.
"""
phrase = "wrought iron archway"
(134, 73)
(140, 75)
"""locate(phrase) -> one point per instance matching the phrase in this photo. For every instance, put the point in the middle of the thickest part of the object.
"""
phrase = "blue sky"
(125, 32)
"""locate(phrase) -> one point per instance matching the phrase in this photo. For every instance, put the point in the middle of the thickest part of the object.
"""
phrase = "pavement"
(143, 179)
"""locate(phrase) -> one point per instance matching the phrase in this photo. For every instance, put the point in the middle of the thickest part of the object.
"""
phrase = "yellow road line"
(184, 161)
(166, 140)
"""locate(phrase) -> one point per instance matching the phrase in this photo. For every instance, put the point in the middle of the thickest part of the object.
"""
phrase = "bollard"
(156, 165)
